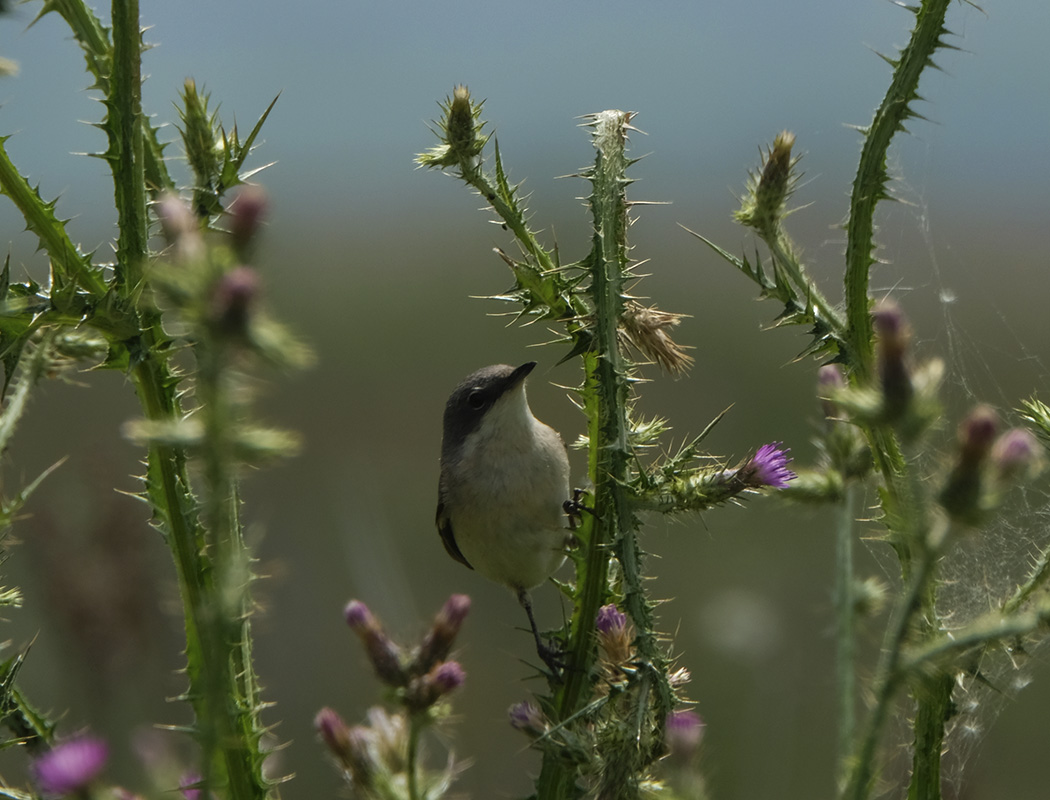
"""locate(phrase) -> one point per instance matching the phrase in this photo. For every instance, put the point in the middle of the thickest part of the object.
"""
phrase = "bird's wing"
(448, 538)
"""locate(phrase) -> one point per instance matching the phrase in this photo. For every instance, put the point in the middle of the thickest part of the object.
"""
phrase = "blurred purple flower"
(682, 733)
(1016, 451)
(188, 785)
(70, 766)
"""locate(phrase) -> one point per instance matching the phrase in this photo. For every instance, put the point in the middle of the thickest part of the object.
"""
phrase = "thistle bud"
(448, 677)
(894, 375)
(1014, 454)
(528, 719)
(962, 496)
(426, 690)
(764, 204)
(829, 381)
(180, 227)
(442, 634)
(198, 134)
(246, 214)
(233, 299)
(460, 133)
(382, 652)
(333, 732)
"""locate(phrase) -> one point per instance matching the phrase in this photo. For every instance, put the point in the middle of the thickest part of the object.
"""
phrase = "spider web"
(983, 567)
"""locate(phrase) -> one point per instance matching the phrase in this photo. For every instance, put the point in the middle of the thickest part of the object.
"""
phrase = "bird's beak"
(518, 376)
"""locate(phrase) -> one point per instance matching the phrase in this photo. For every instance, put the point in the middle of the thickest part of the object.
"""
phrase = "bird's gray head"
(474, 398)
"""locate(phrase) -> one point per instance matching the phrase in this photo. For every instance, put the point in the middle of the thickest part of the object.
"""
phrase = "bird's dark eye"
(476, 399)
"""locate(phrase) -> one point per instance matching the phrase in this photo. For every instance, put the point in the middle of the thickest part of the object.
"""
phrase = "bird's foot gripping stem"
(551, 656)
(574, 508)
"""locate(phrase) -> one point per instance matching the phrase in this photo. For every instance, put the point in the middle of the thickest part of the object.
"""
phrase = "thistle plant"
(178, 313)
(383, 760)
(601, 725)
(882, 411)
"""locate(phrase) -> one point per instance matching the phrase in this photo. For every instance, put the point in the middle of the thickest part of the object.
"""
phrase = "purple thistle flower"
(768, 467)
(611, 620)
(70, 766)
(614, 634)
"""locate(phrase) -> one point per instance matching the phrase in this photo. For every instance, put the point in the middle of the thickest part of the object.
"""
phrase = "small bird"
(503, 487)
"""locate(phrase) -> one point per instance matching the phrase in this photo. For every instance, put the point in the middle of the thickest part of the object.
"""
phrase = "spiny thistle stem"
(94, 39)
(869, 186)
(889, 676)
(233, 737)
(222, 681)
(125, 152)
(613, 525)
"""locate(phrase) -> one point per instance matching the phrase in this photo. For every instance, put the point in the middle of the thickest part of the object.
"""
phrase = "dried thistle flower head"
(648, 331)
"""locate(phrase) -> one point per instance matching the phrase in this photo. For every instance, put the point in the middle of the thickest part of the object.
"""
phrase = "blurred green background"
(375, 263)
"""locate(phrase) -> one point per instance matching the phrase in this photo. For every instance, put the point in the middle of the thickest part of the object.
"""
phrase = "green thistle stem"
(869, 186)
(889, 676)
(415, 728)
(845, 616)
(611, 529)
(125, 153)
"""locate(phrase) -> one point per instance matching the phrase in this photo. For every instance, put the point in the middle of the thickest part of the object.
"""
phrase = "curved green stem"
(869, 185)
